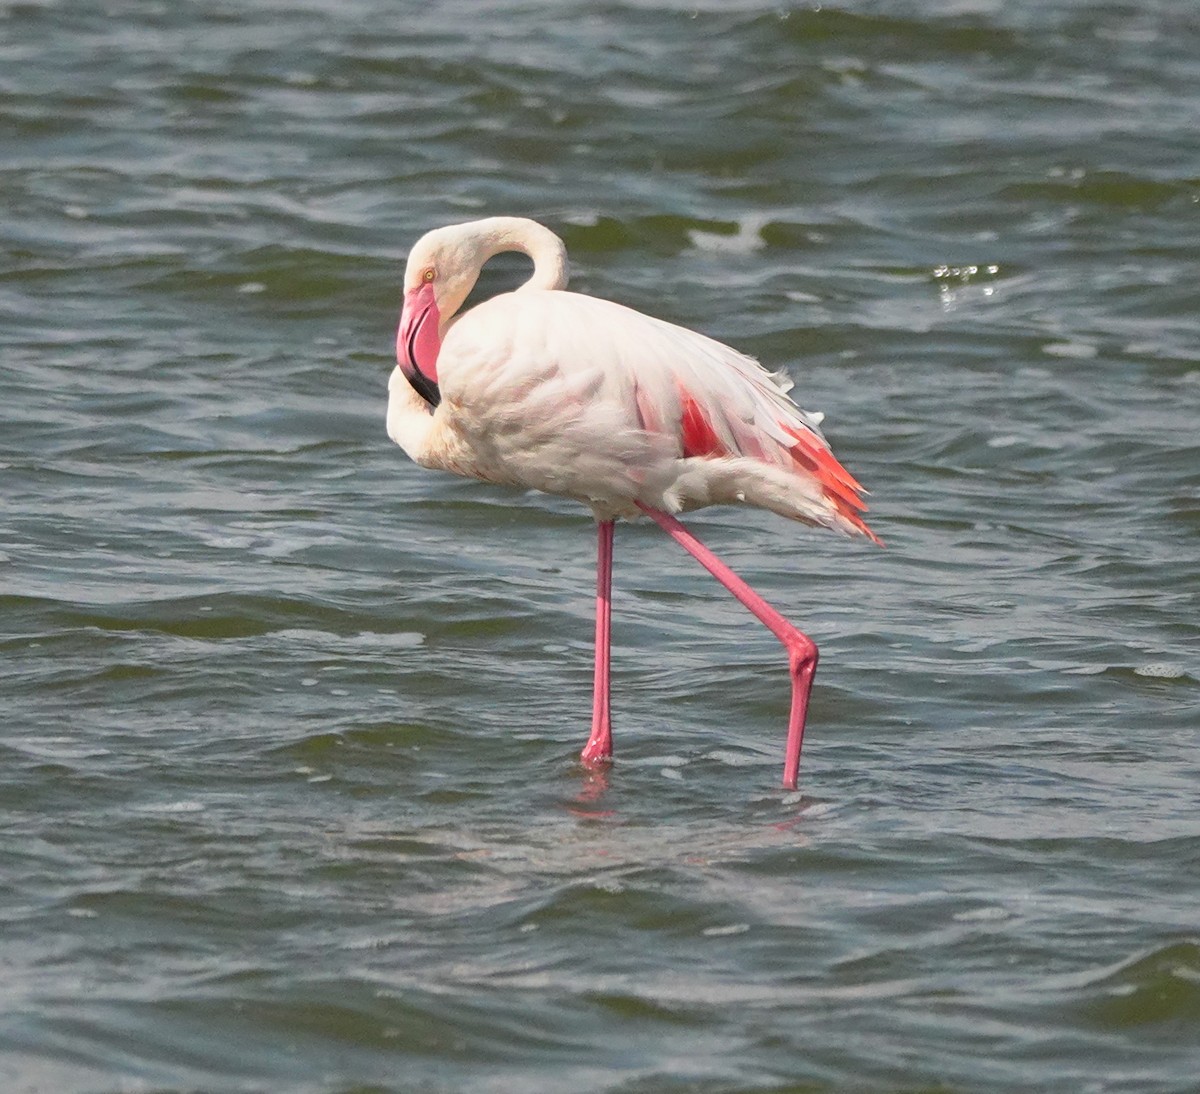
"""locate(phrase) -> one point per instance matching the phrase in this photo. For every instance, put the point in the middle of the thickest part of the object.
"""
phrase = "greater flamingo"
(573, 395)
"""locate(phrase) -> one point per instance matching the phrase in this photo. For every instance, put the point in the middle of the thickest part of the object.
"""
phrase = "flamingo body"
(581, 397)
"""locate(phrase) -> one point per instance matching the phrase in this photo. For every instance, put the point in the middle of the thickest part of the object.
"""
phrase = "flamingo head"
(443, 267)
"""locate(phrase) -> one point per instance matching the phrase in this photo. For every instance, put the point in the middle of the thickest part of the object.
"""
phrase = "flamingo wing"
(585, 397)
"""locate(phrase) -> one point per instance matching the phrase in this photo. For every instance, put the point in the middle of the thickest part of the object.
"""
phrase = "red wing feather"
(839, 486)
(698, 439)
(696, 431)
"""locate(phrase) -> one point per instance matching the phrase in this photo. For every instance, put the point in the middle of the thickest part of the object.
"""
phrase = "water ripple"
(289, 781)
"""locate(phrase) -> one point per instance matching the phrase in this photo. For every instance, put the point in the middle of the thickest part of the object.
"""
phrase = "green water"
(288, 726)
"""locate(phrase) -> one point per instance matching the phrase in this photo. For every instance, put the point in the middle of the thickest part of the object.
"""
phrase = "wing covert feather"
(574, 378)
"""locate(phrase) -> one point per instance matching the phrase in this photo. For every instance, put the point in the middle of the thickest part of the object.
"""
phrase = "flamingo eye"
(429, 275)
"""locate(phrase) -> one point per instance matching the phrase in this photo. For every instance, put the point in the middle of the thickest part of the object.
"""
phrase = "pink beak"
(418, 342)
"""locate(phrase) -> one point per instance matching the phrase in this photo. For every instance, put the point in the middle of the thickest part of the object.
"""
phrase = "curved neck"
(550, 268)
(459, 251)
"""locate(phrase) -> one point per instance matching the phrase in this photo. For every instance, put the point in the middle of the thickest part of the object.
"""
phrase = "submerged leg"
(802, 650)
(599, 746)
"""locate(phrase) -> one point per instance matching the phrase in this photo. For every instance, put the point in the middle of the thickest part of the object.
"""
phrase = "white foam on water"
(1161, 670)
(1078, 350)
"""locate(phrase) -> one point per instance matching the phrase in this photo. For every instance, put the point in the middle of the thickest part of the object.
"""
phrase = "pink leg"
(802, 650)
(599, 746)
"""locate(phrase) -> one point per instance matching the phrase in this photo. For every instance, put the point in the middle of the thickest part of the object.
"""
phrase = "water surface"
(287, 762)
